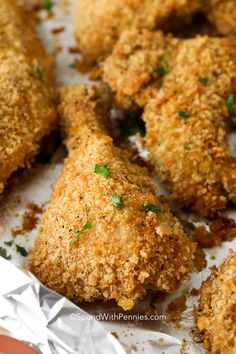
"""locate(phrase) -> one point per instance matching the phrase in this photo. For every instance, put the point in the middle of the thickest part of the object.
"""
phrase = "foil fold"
(51, 323)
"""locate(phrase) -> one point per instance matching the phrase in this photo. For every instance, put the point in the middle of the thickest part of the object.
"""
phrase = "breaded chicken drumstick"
(216, 311)
(27, 111)
(105, 234)
(188, 95)
(99, 23)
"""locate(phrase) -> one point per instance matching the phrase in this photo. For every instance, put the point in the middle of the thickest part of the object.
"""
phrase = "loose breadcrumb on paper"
(29, 221)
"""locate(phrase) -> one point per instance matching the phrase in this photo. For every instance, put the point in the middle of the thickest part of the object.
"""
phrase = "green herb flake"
(163, 68)
(184, 114)
(39, 72)
(102, 170)
(47, 5)
(151, 208)
(187, 147)
(132, 125)
(9, 243)
(191, 226)
(21, 250)
(74, 64)
(3, 253)
(230, 104)
(116, 199)
(86, 226)
(204, 80)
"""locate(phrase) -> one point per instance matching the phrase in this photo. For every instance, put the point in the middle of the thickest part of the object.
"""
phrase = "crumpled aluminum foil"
(48, 321)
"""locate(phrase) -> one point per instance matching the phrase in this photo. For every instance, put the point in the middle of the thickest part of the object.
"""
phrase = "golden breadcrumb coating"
(27, 110)
(125, 250)
(131, 69)
(222, 13)
(187, 118)
(187, 125)
(216, 311)
(99, 23)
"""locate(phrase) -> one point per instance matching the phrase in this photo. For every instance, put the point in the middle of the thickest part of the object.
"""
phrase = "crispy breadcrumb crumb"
(216, 311)
(29, 220)
(176, 308)
(220, 230)
(123, 248)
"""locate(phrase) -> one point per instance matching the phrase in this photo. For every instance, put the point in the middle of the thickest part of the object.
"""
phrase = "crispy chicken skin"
(126, 249)
(216, 311)
(27, 111)
(187, 118)
(99, 23)
(222, 13)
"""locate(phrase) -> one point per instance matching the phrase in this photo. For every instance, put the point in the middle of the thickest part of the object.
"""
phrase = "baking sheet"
(149, 335)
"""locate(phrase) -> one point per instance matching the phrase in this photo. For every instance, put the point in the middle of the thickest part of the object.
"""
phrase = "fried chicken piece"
(222, 13)
(187, 117)
(27, 110)
(216, 311)
(187, 125)
(99, 23)
(127, 240)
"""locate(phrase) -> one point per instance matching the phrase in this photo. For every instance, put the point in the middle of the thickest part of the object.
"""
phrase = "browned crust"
(99, 23)
(216, 311)
(126, 250)
(222, 13)
(189, 155)
(27, 110)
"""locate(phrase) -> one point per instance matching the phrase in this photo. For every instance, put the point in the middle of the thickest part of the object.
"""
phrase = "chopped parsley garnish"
(132, 125)
(3, 253)
(21, 250)
(230, 104)
(191, 226)
(163, 68)
(102, 170)
(184, 114)
(152, 208)
(47, 5)
(204, 80)
(74, 64)
(39, 72)
(9, 243)
(116, 199)
(187, 147)
(86, 226)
